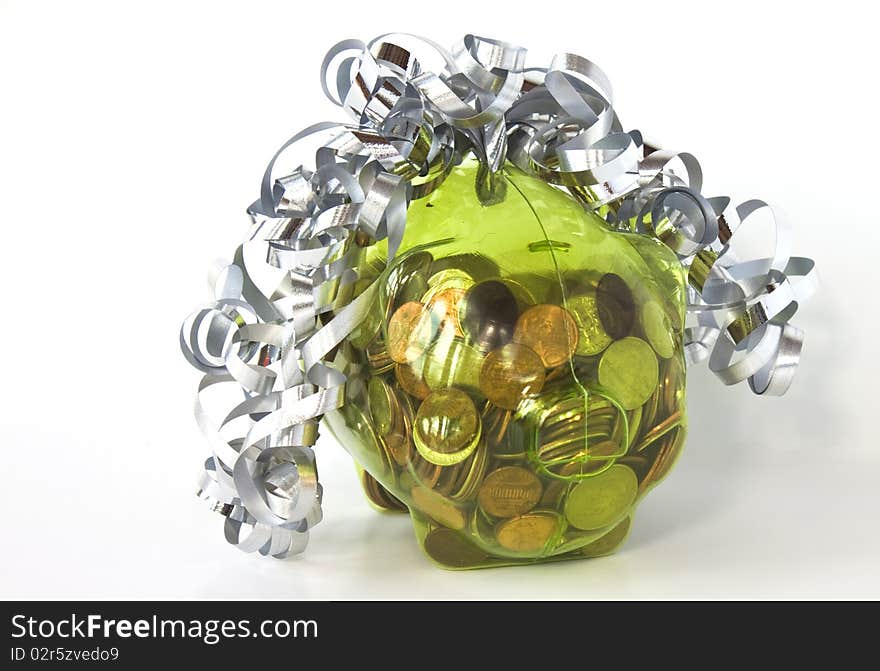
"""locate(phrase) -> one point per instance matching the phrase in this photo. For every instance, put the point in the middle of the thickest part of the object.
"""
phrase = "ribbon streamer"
(279, 309)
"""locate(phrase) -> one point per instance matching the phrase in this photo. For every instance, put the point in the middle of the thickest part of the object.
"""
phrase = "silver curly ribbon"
(281, 307)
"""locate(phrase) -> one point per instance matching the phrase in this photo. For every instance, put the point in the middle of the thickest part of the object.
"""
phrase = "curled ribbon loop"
(285, 302)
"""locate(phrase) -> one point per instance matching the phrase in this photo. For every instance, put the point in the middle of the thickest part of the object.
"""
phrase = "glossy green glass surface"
(519, 381)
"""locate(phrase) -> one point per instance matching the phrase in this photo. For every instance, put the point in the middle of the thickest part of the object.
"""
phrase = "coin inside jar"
(410, 331)
(488, 314)
(398, 447)
(444, 306)
(438, 508)
(602, 499)
(407, 279)
(448, 548)
(444, 278)
(592, 337)
(379, 496)
(377, 357)
(629, 371)
(503, 441)
(511, 373)
(446, 429)
(666, 455)
(527, 533)
(550, 331)
(658, 329)
(420, 472)
(380, 401)
(466, 476)
(616, 306)
(509, 491)
(409, 377)
(609, 542)
(450, 362)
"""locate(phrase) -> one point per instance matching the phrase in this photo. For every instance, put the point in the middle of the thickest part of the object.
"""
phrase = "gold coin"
(502, 443)
(557, 487)
(377, 357)
(399, 440)
(448, 548)
(440, 509)
(592, 338)
(602, 499)
(509, 491)
(471, 475)
(381, 403)
(609, 542)
(460, 482)
(443, 306)
(629, 371)
(553, 493)
(638, 463)
(658, 431)
(397, 443)
(652, 406)
(658, 329)
(421, 472)
(389, 419)
(550, 331)
(578, 438)
(527, 533)
(410, 331)
(511, 373)
(667, 454)
(447, 278)
(408, 278)
(379, 496)
(600, 455)
(447, 427)
(449, 362)
(398, 447)
(634, 421)
(410, 379)
(449, 475)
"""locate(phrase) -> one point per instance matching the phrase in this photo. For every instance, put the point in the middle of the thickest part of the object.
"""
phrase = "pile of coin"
(516, 422)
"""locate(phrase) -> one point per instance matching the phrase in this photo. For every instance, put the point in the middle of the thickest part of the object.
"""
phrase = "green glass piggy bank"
(518, 384)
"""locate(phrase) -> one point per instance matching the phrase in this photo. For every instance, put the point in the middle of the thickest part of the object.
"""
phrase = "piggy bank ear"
(480, 282)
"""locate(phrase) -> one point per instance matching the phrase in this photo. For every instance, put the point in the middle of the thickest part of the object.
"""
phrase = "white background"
(132, 137)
